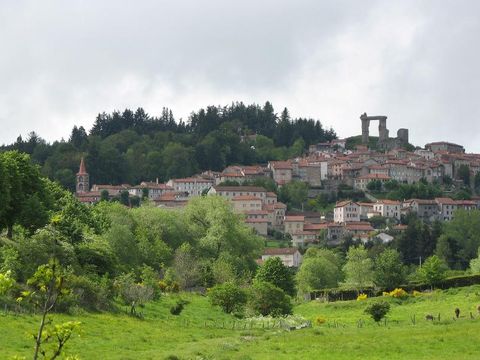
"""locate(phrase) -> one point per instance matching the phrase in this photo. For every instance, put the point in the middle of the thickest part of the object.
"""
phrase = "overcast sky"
(63, 62)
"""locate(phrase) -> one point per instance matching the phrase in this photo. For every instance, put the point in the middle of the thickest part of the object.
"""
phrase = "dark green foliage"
(374, 185)
(320, 269)
(378, 222)
(419, 190)
(389, 271)
(104, 195)
(178, 307)
(130, 147)
(460, 239)
(26, 197)
(91, 292)
(229, 296)
(463, 173)
(433, 271)
(476, 182)
(347, 192)
(378, 310)
(267, 299)
(274, 272)
(294, 194)
(418, 240)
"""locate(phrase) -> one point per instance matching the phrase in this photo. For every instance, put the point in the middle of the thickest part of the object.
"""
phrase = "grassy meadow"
(205, 332)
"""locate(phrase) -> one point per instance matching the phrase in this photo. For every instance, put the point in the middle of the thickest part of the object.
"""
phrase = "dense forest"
(132, 146)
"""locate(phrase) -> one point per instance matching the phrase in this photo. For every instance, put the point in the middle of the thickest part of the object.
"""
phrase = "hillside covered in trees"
(132, 146)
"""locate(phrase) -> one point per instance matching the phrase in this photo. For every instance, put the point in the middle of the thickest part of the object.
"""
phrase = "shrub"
(267, 299)
(91, 292)
(274, 272)
(133, 293)
(228, 296)
(432, 271)
(397, 293)
(378, 310)
(178, 307)
(361, 297)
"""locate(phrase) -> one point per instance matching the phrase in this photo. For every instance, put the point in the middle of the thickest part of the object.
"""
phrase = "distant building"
(290, 257)
(83, 192)
(346, 211)
(83, 179)
(445, 146)
(388, 208)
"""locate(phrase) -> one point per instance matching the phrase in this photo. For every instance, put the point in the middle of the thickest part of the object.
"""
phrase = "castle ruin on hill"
(384, 141)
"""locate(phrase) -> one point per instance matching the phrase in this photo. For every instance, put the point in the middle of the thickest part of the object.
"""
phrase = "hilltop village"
(325, 169)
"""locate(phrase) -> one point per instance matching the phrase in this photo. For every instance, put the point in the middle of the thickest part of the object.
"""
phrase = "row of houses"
(442, 209)
(355, 168)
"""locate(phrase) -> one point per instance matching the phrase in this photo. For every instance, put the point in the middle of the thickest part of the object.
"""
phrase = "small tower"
(82, 178)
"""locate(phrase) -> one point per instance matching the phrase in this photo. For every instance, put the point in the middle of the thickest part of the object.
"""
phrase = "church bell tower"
(82, 179)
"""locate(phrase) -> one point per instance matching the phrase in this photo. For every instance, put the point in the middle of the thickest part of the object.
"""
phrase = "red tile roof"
(294, 218)
(82, 170)
(280, 251)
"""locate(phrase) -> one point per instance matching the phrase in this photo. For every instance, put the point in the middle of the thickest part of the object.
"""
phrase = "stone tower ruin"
(384, 141)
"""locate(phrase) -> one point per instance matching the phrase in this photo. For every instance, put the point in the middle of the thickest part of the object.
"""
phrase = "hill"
(132, 146)
(204, 332)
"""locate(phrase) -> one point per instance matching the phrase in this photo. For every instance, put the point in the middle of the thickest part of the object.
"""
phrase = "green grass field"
(198, 332)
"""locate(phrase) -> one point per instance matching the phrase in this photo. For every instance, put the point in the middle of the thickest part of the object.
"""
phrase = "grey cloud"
(64, 61)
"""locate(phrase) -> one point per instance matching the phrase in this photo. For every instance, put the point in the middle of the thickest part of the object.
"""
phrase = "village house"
(361, 182)
(282, 171)
(303, 238)
(279, 210)
(293, 224)
(366, 210)
(290, 257)
(358, 228)
(192, 186)
(259, 225)
(426, 210)
(346, 211)
(154, 189)
(388, 208)
(444, 146)
(271, 198)
(244, 203)
(171, 200)
(113, 190)
(230, 192)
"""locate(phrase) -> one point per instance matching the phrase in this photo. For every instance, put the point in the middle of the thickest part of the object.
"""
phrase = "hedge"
(351, 294)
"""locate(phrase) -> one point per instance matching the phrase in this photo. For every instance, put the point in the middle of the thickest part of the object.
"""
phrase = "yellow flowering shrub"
(362, 297)
(398, 293)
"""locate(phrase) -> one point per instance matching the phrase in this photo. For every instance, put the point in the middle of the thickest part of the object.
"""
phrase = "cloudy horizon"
(416, 62)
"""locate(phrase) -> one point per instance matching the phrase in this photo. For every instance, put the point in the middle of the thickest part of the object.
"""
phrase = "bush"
(397, 293)
(267, 299)
(361, 297)
(178, 307)
(432, 271)
(91, 292)
(274, 272)
(133, 293)
(378, 310)
(228, 296)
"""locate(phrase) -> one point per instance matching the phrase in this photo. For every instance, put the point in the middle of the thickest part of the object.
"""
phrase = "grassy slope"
(117, 336)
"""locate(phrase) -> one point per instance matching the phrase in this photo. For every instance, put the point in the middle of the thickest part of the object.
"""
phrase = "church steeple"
(82, 178)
